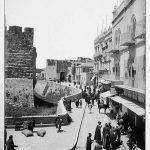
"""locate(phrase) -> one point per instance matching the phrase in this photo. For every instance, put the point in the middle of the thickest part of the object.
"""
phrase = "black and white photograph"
(75, 75)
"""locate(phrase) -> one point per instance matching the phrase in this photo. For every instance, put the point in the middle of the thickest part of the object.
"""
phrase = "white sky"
(63, 28)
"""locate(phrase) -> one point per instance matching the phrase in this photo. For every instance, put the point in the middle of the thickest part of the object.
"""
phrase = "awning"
(130, 105)
(107, 94)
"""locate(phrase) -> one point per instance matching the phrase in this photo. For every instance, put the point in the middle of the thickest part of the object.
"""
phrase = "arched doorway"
(62, 76)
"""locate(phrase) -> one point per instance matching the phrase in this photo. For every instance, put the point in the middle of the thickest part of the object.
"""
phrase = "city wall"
(18, 93)
(49, 120)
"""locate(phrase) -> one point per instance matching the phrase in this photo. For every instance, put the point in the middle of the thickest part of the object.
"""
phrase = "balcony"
(126, 39)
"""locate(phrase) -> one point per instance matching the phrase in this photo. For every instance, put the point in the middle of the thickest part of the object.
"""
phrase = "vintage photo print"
(74, 75)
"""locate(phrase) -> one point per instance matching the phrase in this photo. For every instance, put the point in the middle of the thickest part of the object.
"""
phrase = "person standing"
(10, 143)
(56, 121)
(59, 124)
(89, 142)
(97, 136)
(5, 137)
(106, 131)
(93, 97)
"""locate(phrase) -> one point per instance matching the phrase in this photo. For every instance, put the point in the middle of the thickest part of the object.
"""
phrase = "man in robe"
(89, 142)
(97, 136)
(10, 143)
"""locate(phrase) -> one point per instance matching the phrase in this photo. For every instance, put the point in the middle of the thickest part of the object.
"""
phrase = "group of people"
(92, 96)
(107, 137)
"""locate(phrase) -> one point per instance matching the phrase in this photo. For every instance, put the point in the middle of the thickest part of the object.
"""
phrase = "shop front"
(135, 115)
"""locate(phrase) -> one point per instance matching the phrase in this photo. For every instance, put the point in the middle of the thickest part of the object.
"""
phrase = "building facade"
(127, 65)
(128, 49)
(57, 69)
(84, 73)
(102, 46)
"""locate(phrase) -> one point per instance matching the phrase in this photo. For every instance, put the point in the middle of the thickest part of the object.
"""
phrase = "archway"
(62, 76)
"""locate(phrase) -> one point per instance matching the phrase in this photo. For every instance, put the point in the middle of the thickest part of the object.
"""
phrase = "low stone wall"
(50, 119)
(10, 122)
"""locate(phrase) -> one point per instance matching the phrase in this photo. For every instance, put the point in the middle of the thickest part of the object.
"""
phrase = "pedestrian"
(10, 143)
(80, 102)
(105, 132)
(93, 97)
(89, 142)
(118, 132)
(5, 137)
(97, 136)
(77, 103)
(109, 125)
(107, 145)
(56, 121)
(112, 137)
(60, 124)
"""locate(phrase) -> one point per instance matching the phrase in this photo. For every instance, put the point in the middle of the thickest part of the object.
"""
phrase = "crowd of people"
(107, 137)
(92, 96)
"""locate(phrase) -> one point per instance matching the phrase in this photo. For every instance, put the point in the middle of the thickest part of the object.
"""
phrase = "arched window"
(133, 27)
(117, 37)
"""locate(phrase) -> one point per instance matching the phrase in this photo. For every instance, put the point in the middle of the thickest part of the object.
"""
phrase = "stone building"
(102, 46)
(20, 66)
(84, 72)
(57, 69)
(127, 65)
(128, 50)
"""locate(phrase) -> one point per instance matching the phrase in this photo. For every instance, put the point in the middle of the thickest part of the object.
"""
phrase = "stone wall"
(20, 54)
(18, 93)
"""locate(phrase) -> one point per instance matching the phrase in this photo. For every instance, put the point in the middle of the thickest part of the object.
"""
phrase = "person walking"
(89, 142)
(5, 137)
(97, 136)
(93, 97)
(59, 124)
(105, 132)
(113, 137)
(10, 143)
(56, 121)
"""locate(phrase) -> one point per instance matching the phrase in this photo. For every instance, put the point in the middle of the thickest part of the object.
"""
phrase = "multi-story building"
(127, 65)
(128, 50)
(102, 46)
(57, 69)
(84, 72)
(20, 65)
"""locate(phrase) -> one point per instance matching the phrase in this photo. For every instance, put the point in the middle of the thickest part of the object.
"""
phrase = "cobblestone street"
(66, 139)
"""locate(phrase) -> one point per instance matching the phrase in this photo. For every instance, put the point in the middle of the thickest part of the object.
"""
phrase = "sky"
(64, 29)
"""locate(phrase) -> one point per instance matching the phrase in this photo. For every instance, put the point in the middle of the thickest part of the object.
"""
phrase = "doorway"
(62, 76)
